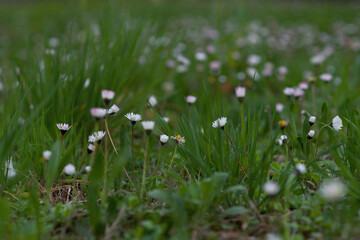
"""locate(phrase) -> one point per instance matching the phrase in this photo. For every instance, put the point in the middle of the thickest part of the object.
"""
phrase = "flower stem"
(132, 150)
(108, 132)
(172, 158)
(317, 142)
(232, 144)
(144, 169)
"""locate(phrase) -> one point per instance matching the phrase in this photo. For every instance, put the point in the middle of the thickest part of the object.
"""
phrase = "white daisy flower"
(98, 113)
(179, 139)
(279, 142)
(164, 138)
(326, 77)
(90, 148)
(311, 134)
(87, 83)
(289, 91)
(63, 127)
(240, 93)
(333, 190)
(279, 107)
(113, 110)
(133, 117)
(284, 139)
(200, 56)
(88, 169)
(219, 123)
(96, 137)
(107, 96)
(300, 168)
(337, 123)
(312, 120)
(166, 119)
(69, 169)
(10, 169)
(298, 93)
(152, 101)
(253, 60)
(47, 154)
(271, 188)
(190, 99)
(148, 126)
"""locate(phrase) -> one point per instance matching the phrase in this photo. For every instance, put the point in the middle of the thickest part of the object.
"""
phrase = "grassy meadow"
(245, 120)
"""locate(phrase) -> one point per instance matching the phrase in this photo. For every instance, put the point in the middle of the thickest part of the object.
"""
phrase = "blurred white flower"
(253, 60)
(337, 123)
(153, 101)
(47, 154)
(113, 110)
(107, 96)
(240, 93)
(300, 168)
(311, 134)
(87, 83)
(88, 169)
(90, 148)
(200, 56)
(166, 119)
(69, 169)
(148, 126)
(164, 138)
(219, 123)
(279, 107)
(178, 139)
(289, 91)
(10, 168)
(190, 99)
(312, 120)
(98, 113)
(303, 85)
(326, 77)
(271, 188)
(333, 190)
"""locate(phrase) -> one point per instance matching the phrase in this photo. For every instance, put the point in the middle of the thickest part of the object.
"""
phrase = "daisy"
(333, 190)
(163, 139)
(311, 134)
(289, 91)
(337, 123)
(63, 127)
(96, 137)
(190, 99)
(90, 148)
(300, 168)
(107, 96)
(179, 139)
(88, 169)
(98, 113)
(215, 67)
(113, 110)
(10, 169)
(47, 154)
(279, 107)
(253, 60)
(298, 93)
(152, 101)
(240, 93)
(69, 169)
(303, 85)
(271, 188)
(200, 56)
(326, 77)
(133, 117)
(284, 139)
(166, 119)
(148, 126)
(283, 124)
(220, 122)
(312, 120)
